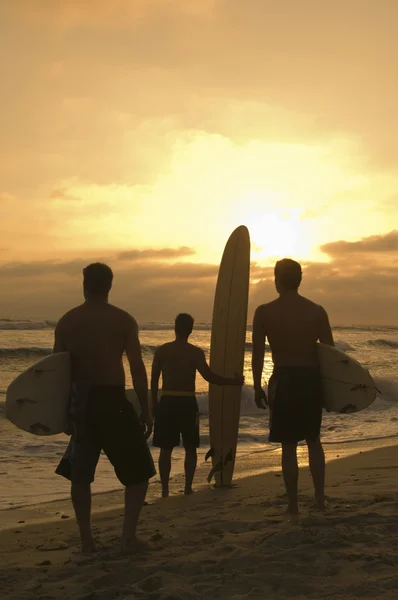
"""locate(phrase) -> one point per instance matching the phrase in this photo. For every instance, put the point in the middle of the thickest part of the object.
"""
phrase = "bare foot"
(89, 547)
(134, 546)
(320, 504)
(292, 516)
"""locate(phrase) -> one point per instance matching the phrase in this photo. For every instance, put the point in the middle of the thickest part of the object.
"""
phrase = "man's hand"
(260, 398)
(239, 379)
(147, 423)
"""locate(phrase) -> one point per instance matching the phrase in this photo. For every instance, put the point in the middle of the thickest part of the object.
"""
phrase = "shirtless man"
(96, 334)
(293, 324)
(177, 411)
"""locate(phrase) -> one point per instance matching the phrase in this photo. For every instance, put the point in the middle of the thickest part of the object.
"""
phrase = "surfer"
(96, 334)
(292, 324)
(176, 413)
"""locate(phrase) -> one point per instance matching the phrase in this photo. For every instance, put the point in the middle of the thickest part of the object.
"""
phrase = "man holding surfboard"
(176, 413)
(96, 334)
(293, 324)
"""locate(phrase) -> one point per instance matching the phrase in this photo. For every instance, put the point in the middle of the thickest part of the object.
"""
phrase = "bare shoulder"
(195, 350)
(164, 349)
(122, 316)
(264, 310)
(317, 309)
(69, 317)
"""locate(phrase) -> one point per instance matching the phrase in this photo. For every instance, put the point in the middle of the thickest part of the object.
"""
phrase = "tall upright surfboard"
(227, 351)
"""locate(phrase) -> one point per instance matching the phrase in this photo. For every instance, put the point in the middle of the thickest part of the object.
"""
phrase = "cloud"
(94, 14)
(41, 268)
(386, 243)
(145, 287)
(5, 197)
(62, 194)
(352, 291)
(156, 253)
(149, 264)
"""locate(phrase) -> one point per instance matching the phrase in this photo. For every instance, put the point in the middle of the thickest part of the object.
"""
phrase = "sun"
(279, 234)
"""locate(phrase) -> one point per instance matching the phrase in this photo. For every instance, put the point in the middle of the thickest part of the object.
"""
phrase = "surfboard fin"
(209, 454)
(36, 427)
(21, 401)
(216, 469)
(349, 409)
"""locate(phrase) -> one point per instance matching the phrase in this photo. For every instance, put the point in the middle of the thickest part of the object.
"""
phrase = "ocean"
(27, 462)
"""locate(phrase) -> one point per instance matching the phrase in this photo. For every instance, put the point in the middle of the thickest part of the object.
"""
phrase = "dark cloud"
(156, 254)
(147, 267)
(387, 243)
(41, 268)
(354, 291)
(144, 288)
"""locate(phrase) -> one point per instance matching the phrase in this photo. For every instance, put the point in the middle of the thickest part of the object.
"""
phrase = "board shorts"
(176, 417)
(295, 399)
(101, 418)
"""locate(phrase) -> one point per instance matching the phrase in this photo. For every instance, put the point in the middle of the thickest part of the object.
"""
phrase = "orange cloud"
(353, 291)
(387, 243)
(5, 197)
(104, 13)
(156, 254)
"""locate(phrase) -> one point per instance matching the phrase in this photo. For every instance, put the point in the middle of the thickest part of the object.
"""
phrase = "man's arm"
(59, 344)
(138, 372)
(258, 348)
(325, 334)
(210, 376)
(156, 371)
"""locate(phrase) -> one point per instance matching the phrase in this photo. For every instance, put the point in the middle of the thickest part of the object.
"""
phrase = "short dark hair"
(97, 279)
(184, 324)
(288, 273)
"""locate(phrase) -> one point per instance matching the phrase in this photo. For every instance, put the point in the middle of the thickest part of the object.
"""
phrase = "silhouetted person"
(177, 412)
(96, 334)
(293, 324)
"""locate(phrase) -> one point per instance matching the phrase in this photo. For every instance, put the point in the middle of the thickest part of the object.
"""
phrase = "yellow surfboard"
(227, 351)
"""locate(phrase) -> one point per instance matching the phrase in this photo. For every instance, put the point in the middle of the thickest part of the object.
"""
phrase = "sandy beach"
(230, 543)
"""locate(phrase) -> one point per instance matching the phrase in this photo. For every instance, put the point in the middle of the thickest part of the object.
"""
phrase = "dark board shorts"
(103, 419)
(176, 417)
(295, 400)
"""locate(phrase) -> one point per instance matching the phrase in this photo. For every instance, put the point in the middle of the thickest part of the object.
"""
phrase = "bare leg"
(81, 500)
(290, 476)
(317, 467)
(164, 470)
(191, 460)
(134, 499)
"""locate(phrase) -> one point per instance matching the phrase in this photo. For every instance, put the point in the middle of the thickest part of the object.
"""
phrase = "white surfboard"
(227, 351)
(348, 386)
(37, 399)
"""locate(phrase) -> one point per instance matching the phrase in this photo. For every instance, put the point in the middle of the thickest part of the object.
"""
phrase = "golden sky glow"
(134, 125)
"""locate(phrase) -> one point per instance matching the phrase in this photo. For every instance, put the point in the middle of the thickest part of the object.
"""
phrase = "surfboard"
(227, 350)
(37, 399)
(348, 386)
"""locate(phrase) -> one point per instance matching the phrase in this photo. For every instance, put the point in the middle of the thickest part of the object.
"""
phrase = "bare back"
(96, 335)
(293, 324)
(178, 363)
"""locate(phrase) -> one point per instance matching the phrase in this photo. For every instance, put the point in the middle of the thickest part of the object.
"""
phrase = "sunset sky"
(142, 132)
